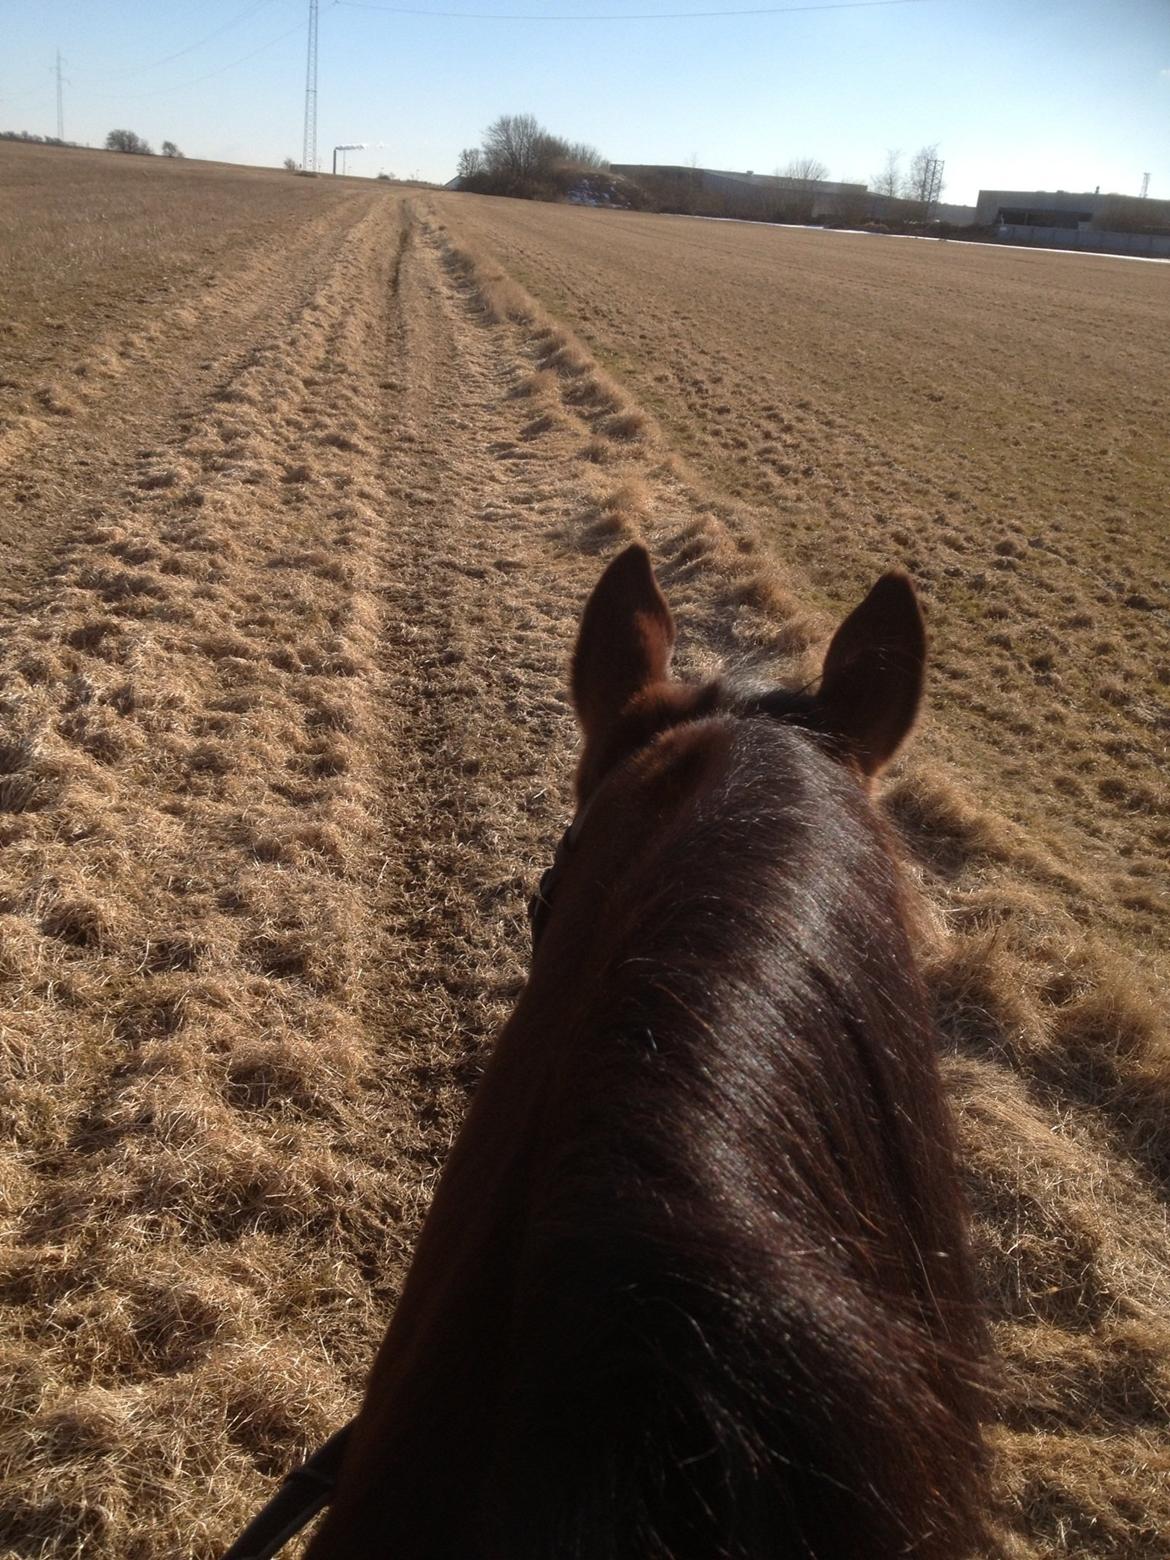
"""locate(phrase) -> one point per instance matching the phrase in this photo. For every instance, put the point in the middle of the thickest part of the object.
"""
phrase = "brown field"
(300, 494)
(997, 421)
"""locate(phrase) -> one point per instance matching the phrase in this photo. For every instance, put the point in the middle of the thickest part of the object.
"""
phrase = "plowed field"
(300, 496)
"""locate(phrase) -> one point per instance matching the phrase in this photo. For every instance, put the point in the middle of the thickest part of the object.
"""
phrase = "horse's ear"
(871, 684)
(624, 643)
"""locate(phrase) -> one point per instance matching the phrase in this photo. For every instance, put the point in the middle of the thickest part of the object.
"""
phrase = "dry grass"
(112, 268)
(1061, 1064)
(69, 217)
(857, 399)
(188, 814)
(565, 373)
(285, 742)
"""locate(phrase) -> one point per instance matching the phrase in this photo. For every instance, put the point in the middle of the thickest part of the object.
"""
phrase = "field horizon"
(304, 486)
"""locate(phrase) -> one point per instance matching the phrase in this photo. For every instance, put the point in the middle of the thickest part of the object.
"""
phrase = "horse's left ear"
(871, 684)
(624, 643)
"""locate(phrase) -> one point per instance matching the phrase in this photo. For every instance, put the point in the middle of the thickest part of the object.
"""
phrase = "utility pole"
(60, 102)
(309, 152)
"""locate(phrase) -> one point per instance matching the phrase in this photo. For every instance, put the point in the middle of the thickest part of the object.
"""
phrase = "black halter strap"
(298, 1500)
(540, 905)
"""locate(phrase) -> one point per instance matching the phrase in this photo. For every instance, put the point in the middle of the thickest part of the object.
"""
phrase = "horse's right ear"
(624, 643)
(871, 685)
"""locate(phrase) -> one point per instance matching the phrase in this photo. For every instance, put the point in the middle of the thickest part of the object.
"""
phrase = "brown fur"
(695, 1281)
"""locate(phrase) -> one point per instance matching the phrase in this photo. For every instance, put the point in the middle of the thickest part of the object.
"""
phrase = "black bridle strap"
(295, 1504)
(541, 902)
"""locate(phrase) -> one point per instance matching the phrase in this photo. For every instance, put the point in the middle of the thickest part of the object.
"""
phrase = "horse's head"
(695, 1279)
(863, 710)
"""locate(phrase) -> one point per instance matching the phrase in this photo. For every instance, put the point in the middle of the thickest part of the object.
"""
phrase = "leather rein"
(309, 1488)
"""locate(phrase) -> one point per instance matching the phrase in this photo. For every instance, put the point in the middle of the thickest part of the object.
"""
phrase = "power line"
(199, 80)
(15, 97)
(134, 70)
(629, 16)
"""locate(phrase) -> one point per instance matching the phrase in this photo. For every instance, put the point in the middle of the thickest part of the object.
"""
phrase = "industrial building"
(779, 197)
(1060, 209)
(1112, 224)
(769, 195)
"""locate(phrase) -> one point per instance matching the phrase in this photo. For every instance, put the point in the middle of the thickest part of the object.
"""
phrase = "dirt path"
(286, 740)
(286, 743)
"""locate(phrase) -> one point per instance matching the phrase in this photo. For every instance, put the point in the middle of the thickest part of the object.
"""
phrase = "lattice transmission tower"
(933, 181)
(309, 152)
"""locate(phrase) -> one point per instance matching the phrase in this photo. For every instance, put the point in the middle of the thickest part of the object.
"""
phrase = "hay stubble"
(286, 740)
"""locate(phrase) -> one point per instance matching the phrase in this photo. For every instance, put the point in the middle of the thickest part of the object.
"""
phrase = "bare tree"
(515, 145)
(549, 150)
(291, 165)
(520, 157)
(470, 162)
(809, 170)
(584, 155)
(889, 180)
(128, 141)
(924, 183)
(169, 149)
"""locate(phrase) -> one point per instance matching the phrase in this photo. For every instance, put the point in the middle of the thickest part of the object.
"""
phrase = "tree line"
(520, 157)
(129, 141)
(116, 141)
(38, 140)
(919, 183)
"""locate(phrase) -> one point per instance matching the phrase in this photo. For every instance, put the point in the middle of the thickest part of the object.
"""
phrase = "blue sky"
(1018, 94)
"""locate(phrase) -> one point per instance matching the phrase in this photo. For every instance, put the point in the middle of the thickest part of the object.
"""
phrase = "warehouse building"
(1112, 224)
(1038, 208)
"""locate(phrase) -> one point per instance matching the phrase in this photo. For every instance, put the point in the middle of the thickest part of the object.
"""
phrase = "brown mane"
(695, 1281)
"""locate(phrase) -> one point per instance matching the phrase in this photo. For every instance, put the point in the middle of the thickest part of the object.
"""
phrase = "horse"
(695, 1283)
